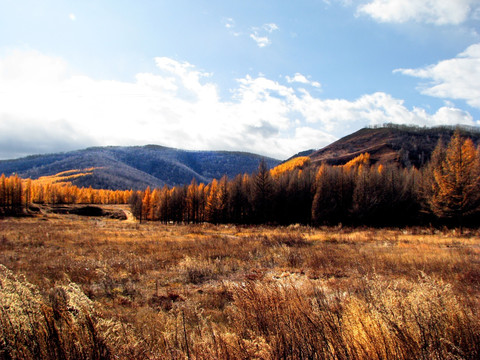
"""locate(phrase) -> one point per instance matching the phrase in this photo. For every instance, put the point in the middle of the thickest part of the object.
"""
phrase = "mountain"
(137, 167)
(401, 144)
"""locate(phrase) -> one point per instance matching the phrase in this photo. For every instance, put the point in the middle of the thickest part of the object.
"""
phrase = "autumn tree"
(282, 202)
(333, 194)
(146, 204)
(177, 203)
(212, 205)
(17, 193)
(298, 194)
(262, 193)
(384, 195)
(164, 206)
(3, 191)
(201, 202)
(453, 180)
(154, 205)
(237, 204)
(429, 186)
(11, 195)
(192, 202)
(136, 204)
(223, 198)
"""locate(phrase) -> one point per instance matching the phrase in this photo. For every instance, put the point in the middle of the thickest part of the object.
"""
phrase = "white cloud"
(270, 28)
(72, 17)
(44, 107)
(23, 136)
(298, 78)
(260, 34)
(456, 78)
(439, 12)
(261, 41)
(374, 109)
(229, 23)
(302, 79)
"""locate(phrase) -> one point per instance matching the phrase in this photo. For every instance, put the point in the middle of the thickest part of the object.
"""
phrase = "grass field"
(81, 287)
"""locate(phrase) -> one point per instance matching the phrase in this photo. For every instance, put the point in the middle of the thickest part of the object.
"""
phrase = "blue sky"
(272, 77)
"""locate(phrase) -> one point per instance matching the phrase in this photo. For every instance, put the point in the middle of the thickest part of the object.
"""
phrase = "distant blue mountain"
(137, 167)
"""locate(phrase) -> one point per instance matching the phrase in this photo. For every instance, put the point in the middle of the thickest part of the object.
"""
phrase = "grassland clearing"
(151, 290)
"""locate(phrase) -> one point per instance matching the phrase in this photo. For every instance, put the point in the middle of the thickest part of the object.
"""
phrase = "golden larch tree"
(147, 204)
(454, 183)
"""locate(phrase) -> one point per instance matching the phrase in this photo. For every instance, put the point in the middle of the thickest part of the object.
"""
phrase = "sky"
(272, 77)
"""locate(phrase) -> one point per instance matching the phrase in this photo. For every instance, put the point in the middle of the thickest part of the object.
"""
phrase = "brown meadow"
(77, 287)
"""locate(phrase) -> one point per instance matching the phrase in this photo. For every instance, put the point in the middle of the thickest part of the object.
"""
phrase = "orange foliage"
(360, 160)
(11, 194)
(65, 176)
(295, 163)
(56, 189)
(455, 181)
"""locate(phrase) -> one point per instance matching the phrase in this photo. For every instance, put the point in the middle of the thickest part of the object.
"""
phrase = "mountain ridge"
(136, 167)
(401, 144)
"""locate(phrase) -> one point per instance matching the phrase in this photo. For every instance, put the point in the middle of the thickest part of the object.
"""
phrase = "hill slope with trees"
(400, 144)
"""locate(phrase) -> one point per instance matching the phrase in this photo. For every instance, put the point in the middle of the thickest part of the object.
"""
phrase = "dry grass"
(76, 287)
(59, 325)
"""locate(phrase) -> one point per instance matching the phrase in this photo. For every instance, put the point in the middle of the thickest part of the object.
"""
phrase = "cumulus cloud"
(45, 107)
(374, 109)
(456, 78)
(439, 12)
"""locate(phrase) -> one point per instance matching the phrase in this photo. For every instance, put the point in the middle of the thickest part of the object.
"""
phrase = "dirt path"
(130, 217)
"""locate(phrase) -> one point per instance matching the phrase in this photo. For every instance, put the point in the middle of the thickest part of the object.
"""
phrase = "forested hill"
(404, 145)
(137, 167)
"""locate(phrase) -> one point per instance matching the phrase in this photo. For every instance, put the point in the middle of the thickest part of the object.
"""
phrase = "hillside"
(405, 145)
(137, 167)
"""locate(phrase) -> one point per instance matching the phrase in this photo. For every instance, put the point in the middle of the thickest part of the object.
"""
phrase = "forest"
(445, 191)
(17, 195)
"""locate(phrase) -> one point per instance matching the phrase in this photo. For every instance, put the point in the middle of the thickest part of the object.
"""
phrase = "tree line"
(446, 190)
(357, 193)
(17, 194)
